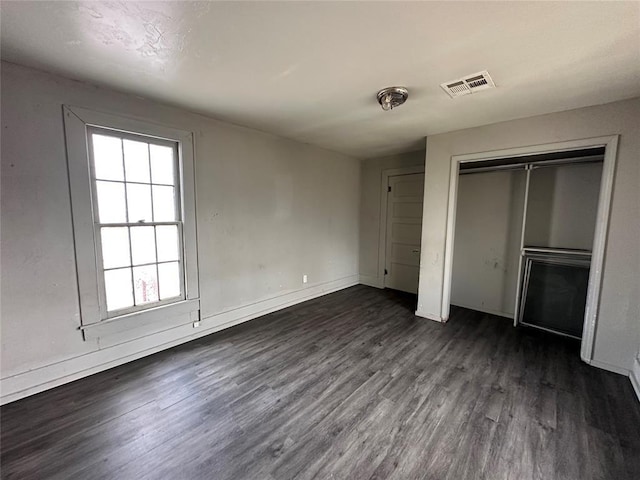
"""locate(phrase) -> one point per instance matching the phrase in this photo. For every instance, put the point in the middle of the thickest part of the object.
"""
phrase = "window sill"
(184, 311)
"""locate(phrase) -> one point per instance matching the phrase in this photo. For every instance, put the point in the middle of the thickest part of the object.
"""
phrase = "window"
(137, 220)
(134, 221)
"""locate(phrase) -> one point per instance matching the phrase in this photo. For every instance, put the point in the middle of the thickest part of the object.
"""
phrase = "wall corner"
(634, 375)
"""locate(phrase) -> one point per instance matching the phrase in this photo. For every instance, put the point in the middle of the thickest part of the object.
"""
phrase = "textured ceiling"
(310, 70)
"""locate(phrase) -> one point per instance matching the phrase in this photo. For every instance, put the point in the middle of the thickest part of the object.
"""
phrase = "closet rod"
(538, 164)
(562, 251)
(513, 166)
(570, 161)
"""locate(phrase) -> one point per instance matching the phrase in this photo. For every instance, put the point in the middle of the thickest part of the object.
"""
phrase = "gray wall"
(268, 211)
(617, 334)
(487, 241)
(562, 206)
(371, 178)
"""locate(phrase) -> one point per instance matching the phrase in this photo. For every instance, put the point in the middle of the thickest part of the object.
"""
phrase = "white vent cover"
(468, 84)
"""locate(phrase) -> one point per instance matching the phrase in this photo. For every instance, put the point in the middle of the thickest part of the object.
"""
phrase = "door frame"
(382, 227)
(610, 143)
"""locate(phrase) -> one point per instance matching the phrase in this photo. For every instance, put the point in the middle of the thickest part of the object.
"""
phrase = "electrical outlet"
(304, 279)
(196, 324)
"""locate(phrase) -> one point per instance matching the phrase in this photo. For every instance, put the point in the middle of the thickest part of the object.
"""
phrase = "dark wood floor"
(350, 385)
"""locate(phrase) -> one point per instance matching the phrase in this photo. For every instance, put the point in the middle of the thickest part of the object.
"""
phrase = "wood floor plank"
(347, 386)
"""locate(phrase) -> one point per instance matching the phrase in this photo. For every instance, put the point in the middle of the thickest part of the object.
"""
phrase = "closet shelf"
(563, 251)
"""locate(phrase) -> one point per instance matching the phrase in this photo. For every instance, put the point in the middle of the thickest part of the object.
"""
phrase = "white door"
(404, 230)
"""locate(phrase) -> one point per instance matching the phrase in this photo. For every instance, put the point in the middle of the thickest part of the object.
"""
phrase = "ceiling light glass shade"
(392, 97)
(386, 102)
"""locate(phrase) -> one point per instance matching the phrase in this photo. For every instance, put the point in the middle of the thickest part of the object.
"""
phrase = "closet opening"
(526, 235)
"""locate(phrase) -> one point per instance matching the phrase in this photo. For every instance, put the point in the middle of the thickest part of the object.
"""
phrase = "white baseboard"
(430, 316)
(37, 380)
(634, 376)
(371, 281)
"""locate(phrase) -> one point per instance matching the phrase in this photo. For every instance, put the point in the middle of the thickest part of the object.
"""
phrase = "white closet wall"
(487, 241)
(562, 206)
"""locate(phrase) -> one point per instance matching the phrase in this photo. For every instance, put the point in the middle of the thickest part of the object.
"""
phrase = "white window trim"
(77, 121)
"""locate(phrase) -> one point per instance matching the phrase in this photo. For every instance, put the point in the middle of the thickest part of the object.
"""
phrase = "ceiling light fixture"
(392, 97)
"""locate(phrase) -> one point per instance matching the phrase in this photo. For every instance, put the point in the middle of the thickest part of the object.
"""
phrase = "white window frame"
(95, 323)
(104, 313)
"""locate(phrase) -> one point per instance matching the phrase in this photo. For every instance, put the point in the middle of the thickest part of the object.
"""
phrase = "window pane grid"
(151, 287)
(136, 197)
(133, 199)
(155, 236)
(154, 278)
(152, 213)
(141, 265)
(126, 196)
(138, 224)
(136, 183)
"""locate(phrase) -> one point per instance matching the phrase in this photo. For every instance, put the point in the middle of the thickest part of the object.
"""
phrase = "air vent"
(469, 84)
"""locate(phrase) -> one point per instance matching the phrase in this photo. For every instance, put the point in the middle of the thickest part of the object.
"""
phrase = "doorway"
(403, 230)
(609, 146)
